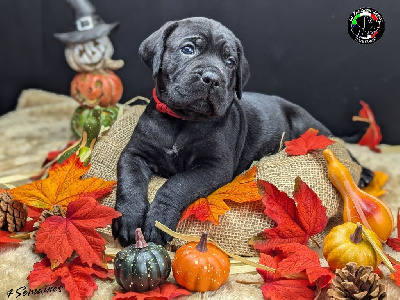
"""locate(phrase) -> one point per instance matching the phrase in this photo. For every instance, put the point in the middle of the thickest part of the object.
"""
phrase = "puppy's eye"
(231, 62)
(187, 49)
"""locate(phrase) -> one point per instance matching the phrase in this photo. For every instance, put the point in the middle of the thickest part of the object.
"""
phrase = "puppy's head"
(198, 65)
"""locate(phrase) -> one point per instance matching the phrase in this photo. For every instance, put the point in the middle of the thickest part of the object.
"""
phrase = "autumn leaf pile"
(66, 212)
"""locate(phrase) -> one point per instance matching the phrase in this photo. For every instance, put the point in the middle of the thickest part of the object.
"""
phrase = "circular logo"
(366, 25)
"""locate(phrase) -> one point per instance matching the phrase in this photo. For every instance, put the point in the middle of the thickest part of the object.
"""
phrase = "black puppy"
(197, 133)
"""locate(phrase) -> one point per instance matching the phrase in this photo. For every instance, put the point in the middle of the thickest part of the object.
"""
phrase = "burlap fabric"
(243, 221)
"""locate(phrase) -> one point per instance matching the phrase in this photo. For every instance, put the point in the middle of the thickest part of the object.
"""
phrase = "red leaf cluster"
(306, 142)
(295, 223)
(298, 272)
(58, 237)
(76, 277)
(166, 291)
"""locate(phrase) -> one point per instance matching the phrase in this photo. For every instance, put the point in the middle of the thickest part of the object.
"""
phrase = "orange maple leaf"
(62, 186)
(374, 188)
(242, 189)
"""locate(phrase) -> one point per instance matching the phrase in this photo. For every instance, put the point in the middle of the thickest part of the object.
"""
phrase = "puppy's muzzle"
(211, 79)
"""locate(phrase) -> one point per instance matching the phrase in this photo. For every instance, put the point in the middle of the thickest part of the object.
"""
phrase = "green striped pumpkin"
(143, 266)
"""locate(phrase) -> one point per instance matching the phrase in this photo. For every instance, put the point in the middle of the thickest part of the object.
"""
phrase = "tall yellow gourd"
(358, 205)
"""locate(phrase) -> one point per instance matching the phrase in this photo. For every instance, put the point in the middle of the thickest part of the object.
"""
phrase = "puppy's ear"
(242, 70)
(152, 49)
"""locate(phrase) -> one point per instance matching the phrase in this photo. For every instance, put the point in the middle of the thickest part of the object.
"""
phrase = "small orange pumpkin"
(91, 89)
(200, 267)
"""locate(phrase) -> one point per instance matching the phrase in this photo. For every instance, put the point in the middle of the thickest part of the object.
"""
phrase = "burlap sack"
(243, 221)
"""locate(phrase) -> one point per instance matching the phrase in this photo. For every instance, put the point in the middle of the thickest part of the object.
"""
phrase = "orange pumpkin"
(200, 267)
(91, 89)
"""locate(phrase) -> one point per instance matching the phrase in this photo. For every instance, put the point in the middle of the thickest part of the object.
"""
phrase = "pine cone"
(13, 214)
(57, 211)
(356, 283)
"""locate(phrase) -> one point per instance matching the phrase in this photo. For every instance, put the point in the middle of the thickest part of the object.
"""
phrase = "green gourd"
(107, 117)
(91, 130)
(143, 266)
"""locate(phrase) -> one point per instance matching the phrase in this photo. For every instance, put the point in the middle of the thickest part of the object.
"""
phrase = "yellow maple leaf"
(62, 186)
(374, 188)
(242, 189)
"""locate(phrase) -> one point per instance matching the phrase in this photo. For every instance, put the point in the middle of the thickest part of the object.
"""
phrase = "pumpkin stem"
(202, 245)
(378, 250)
(139, 238)
(356, 237)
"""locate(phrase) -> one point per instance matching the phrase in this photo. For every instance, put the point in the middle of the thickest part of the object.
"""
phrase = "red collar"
(162, 107)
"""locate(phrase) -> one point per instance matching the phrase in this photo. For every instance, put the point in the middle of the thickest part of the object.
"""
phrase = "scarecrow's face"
(89, 56)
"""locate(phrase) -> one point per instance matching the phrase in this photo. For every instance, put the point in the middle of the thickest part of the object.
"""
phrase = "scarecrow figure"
(88, 51)
(88, 48)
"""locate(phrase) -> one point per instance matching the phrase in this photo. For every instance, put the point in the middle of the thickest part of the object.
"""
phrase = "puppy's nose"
(211, 79)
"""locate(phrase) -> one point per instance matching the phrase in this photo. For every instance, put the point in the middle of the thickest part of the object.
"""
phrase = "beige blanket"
(41, 124)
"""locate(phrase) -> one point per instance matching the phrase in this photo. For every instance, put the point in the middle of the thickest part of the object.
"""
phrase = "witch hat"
(89, 26)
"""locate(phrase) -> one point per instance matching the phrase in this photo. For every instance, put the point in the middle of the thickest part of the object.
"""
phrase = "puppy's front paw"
(124, 228)
(167, 216)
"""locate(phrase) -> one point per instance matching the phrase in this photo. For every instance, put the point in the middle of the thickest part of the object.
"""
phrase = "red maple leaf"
(396, 276)
(58, 237)
(166, 291)
(76, 277)
(296, 258)
(288, 290)
(306, 142)
(33, 213)
(269, 261)
(395, 242)
(28, 227)
(295, 224)
(297, 268)
(5, 238)
(372, 136)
